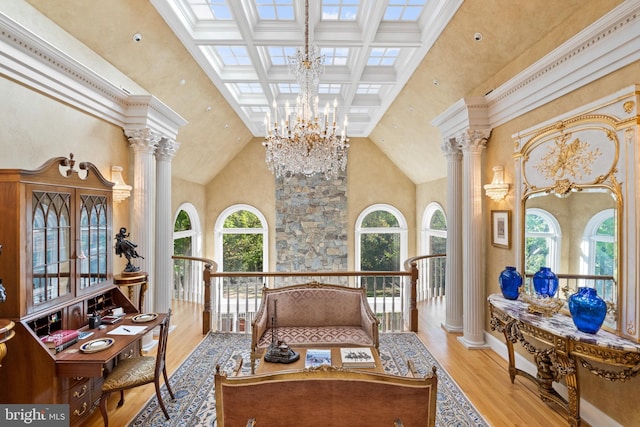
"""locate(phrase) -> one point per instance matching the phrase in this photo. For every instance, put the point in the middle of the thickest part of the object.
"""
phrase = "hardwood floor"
(481, 374)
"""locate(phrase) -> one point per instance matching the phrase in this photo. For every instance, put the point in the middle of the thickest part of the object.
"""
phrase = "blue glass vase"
(510, 281)
(587, 309)
(545, 282)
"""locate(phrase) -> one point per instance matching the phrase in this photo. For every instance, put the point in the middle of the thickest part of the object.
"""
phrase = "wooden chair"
(137, 371)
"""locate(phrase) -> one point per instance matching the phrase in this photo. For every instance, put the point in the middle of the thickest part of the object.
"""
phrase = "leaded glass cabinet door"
(94, 241)
(51, 244)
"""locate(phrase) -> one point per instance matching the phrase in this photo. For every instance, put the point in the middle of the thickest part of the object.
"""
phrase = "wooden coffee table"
(265, 367)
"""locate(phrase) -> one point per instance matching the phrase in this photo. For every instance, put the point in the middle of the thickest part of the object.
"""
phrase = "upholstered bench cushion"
(325, 336)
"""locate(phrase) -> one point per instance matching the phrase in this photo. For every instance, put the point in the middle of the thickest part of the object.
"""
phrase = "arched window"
(598, 248)
(381, 239)
(431, 280)
(187, 241)
(241, 239)
(434, 230)
(542, 240)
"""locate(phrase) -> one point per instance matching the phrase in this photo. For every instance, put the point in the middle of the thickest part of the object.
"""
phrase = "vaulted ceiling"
(392, 65)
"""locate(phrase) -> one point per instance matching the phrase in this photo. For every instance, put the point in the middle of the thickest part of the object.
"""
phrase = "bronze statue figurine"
(128, 249)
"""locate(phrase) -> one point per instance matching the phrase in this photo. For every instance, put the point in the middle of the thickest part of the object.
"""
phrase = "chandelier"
(306, 141)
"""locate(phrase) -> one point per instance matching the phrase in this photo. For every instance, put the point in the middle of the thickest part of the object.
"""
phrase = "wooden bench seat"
(327, 397)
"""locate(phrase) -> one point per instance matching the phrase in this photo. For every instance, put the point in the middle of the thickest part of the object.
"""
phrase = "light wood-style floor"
(481, 374)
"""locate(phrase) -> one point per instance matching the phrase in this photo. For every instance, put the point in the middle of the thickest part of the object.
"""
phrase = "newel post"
(413, 307)
(206, 314)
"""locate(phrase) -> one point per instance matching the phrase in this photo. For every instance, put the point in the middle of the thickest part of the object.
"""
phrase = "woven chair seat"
(131, 372)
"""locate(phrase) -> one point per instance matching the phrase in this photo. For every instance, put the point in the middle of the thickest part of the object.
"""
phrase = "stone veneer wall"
(311, 223)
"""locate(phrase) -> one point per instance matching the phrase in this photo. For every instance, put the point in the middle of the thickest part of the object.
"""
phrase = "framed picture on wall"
(501, 229)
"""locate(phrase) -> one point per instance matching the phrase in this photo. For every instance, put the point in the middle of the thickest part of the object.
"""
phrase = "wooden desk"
(565, 349)
(131, 280)
(265, 367)
(73, 363)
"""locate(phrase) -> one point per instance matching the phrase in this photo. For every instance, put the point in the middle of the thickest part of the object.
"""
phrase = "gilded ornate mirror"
(570, 213)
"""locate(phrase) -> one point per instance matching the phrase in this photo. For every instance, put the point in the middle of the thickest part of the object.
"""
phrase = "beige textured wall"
(36, 128)
(246, 180)
(617, 399)
(372, 179)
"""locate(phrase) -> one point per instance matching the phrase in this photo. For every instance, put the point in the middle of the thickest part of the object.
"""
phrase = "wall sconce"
(121, 190)
(498, 189)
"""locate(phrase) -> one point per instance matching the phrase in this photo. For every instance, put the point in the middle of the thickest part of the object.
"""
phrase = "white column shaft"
(453, 281)
(164, 226)
(472, 251)
(143, 142)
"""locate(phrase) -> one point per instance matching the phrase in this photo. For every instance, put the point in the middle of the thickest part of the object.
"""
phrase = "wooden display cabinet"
(56, 267)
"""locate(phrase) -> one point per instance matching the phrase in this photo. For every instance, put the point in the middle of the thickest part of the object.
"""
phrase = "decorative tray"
(143, 318)
(545, 306)
(96, 345)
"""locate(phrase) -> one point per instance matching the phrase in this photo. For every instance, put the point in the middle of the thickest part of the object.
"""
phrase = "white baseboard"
(588, 412)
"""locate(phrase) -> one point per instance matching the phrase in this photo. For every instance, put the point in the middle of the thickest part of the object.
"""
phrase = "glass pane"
(182, 246)
(183, 222)
(438, 221)
(536, 253)
(50, 245)
(380, 252)
(242, 252)
(438, 245)
(380, 219)
(242, 219)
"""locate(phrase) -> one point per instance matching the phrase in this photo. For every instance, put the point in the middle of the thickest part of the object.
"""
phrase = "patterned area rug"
(193, 382)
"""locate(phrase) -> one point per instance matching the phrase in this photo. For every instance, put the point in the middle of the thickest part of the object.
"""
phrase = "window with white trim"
(381, 239)
(542, 241)
(241, 239)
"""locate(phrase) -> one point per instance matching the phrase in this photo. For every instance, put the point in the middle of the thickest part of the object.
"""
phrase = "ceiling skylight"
(370, 49)
(340, 10)
(404, 10)
(275, 10)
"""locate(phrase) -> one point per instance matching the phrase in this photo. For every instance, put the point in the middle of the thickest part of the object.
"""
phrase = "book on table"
(60, 340)
(357, 357)
(317, 357)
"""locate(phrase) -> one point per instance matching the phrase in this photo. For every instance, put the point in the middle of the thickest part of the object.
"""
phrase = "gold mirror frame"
(576, 155)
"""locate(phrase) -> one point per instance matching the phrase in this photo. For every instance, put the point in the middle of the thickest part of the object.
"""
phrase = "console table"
(565, 349)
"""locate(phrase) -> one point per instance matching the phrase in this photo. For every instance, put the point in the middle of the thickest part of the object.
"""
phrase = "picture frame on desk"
(501, 229)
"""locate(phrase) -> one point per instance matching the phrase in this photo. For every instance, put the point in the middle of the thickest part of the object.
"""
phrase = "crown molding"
(607, 45)
(37, 64)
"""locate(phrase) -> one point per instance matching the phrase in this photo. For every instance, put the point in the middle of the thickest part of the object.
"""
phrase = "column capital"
(474, 140)
(451, 148)
(143, 139)
(166, 149)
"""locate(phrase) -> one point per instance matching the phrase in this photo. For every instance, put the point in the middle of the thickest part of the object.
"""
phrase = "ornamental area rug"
(193, 381)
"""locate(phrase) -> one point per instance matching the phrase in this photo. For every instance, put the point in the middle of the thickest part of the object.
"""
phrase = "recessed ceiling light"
(477, 37)
(208, 108)
(137, 37)
(182, 82)
(436, 82)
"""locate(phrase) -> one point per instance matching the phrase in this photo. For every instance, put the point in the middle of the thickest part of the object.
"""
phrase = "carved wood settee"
(325, 396)
(314, 314)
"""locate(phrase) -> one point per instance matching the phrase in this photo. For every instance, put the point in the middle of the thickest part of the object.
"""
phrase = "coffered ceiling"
(392, 65)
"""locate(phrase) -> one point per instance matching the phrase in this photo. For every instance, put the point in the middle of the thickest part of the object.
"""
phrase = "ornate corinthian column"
(165, 152)
(143, 141)
(453, 281)
(472, 143)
